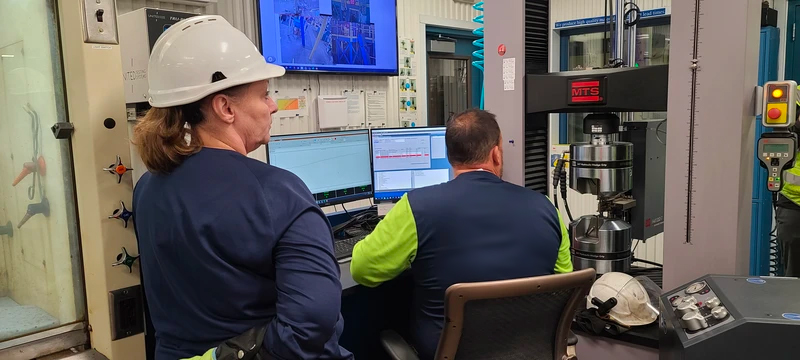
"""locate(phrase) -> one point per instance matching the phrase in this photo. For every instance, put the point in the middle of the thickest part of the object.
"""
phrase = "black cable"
(635, 11)
(646, 262)
(635, 246)
(564, 193)
(345, 211)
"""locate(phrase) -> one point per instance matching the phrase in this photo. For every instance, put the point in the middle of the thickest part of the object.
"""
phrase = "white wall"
(562, 10)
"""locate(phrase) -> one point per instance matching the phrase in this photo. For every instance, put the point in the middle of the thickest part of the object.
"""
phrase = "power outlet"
(127, 312)
(100, 22)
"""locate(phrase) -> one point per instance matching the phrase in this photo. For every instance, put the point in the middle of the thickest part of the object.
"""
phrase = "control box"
(730, 317)
(780, 98)
(138, 32)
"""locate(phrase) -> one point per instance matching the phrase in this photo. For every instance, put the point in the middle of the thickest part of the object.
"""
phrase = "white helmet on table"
(634, 296)
(200, 56)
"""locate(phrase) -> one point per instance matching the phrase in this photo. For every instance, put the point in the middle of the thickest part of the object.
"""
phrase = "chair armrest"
(572, 339)
(397, 347)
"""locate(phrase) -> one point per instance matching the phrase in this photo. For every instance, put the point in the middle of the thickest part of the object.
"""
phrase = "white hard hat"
(634, 298)
(191, 52)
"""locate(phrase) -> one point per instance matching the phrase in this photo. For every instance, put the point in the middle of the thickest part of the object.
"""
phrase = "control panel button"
(712, 303)
(719, 312)
(694, 321)
(775, 162)
(774, 113)
(686, 308)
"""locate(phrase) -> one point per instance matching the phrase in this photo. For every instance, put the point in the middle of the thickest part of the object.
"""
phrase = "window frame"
(563, 57)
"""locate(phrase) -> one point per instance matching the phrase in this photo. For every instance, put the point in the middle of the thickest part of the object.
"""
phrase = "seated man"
(474, 228)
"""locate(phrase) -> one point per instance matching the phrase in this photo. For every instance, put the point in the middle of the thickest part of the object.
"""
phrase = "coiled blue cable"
(479, 44)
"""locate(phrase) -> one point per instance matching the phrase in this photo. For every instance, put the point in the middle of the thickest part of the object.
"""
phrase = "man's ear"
(497, 156)
(222, 106)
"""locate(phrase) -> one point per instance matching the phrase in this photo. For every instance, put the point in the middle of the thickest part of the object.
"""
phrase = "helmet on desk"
(634, 298)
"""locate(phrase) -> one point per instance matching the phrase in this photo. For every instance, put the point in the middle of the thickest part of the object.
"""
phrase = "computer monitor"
(406, 159)
(334, 165)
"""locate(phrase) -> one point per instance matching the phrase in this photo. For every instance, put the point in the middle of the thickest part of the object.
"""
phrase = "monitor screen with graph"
(334, 165)
(407, 159)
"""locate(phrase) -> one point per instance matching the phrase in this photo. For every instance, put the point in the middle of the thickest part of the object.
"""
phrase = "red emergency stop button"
(774, 113)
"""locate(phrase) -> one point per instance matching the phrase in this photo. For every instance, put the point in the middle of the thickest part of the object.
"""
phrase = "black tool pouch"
(247, 346)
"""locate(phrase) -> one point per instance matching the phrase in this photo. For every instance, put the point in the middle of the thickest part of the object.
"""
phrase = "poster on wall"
(291, 103)
(355, 108)
(376, 109)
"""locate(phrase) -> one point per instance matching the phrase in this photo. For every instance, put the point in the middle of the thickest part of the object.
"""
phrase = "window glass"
(591, 50)
(40, 276)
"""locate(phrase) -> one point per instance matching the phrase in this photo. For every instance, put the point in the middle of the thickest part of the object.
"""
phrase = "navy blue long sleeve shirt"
(228, 243)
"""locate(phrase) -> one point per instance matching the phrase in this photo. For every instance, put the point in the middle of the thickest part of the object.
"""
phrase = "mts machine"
(620, 156)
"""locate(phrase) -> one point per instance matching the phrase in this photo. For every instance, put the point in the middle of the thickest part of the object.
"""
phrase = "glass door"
(41, 284)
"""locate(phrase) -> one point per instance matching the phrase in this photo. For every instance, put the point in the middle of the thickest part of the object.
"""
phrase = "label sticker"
(791, 316)
(758, 281)
(101, 47)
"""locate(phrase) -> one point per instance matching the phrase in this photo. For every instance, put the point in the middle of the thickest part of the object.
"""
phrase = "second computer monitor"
(407, 159)
(334, 165)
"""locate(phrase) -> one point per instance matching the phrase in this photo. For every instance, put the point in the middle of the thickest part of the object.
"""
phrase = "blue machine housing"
(764, 259)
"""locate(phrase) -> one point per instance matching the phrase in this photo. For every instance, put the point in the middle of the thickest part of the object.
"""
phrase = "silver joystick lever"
(689, 300)
(677, 301)
(712, 303)
(719, 312)
(686, 308)
(693, 321)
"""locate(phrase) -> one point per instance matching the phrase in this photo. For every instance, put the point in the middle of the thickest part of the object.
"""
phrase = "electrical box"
(649, 139)
(138, 32)
(780, 98)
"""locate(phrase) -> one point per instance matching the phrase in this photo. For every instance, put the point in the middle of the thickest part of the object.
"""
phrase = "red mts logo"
(586, 91)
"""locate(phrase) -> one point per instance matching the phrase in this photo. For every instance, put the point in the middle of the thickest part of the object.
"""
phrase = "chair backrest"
(525, 318)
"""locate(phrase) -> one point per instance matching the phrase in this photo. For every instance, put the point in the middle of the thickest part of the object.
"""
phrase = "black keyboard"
(344, 248)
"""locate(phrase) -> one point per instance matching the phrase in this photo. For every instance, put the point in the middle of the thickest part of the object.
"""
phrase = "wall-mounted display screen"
(339, 36)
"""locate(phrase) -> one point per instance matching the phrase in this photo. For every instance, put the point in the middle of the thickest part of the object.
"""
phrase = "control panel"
(776, 151)
(698, 308)
(779, 109)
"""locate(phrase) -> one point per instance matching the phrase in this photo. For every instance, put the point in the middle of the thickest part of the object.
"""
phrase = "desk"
(344, 276)
(639, 343)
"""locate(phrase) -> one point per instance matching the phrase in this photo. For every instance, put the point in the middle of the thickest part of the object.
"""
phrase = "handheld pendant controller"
(777, 149)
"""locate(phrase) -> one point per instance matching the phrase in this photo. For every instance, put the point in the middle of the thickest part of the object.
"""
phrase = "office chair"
(526, 318)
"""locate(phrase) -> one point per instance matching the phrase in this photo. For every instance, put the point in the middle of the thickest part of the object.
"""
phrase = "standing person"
(474, 228)
(228, 244)
(787, 214)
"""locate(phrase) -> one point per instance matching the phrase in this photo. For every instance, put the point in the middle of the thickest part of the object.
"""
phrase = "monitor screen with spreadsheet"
(407, 159)
(334, 165)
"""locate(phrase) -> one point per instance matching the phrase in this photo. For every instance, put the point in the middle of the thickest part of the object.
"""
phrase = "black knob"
(122, 213)
(125, 259)
(7, 229)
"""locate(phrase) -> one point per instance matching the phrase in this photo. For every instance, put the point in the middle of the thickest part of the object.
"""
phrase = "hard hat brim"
(261, 70)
